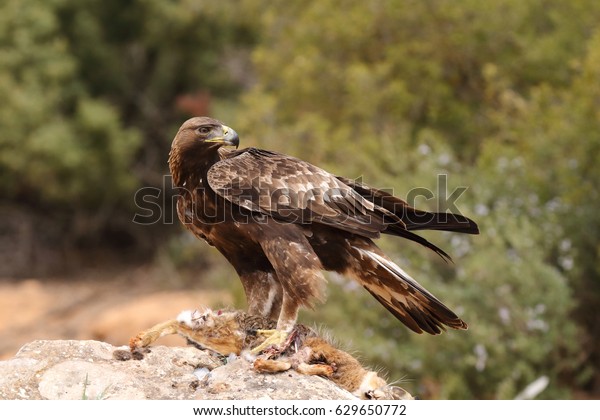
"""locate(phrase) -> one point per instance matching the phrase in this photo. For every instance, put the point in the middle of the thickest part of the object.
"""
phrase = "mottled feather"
(293, 191)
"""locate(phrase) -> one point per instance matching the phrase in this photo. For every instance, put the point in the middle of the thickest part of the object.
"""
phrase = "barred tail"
(399, 293)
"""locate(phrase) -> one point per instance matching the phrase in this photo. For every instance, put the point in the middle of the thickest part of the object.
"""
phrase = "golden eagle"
(281, 221)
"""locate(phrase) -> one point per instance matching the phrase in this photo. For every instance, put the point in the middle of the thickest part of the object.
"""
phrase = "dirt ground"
(107, 307)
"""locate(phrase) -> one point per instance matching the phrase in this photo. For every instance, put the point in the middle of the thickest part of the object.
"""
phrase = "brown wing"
(295, 191)
(413, 218)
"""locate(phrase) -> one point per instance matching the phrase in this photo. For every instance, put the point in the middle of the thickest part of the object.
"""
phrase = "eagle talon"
(274, 338)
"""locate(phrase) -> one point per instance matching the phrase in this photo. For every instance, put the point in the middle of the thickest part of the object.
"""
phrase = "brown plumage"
(280, 221)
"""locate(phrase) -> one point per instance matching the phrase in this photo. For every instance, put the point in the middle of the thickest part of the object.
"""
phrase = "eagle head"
(197, 143)
(205, 132)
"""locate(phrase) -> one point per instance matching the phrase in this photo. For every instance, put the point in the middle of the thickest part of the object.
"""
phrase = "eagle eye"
(204, 130)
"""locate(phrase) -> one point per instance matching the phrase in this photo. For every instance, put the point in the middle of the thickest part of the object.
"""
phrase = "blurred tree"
(63, 153)
(551, 142)
(91, 93)
(399, 91)
(375, 66)
(144, 56)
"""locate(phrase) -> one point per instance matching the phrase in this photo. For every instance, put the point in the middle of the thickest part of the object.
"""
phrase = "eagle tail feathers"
(401, 295)
(419, 239)
(448, 222)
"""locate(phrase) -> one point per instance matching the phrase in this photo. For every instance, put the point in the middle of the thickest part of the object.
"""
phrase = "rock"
(71, 369)
(237, 380)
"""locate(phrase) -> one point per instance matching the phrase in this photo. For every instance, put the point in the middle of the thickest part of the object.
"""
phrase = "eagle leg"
(285, 326)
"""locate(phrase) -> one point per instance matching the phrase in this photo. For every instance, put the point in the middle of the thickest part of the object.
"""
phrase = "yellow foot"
(273, 338)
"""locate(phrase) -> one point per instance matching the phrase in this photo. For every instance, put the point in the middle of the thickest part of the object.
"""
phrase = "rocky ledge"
(70, 369)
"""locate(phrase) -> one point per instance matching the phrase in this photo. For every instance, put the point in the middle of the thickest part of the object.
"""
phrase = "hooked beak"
(229, 138)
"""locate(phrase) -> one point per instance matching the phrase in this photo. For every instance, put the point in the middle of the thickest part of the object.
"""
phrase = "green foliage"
(498, 95)
(57, 146)
(375, 66)
(90, 91)
(556, 141)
